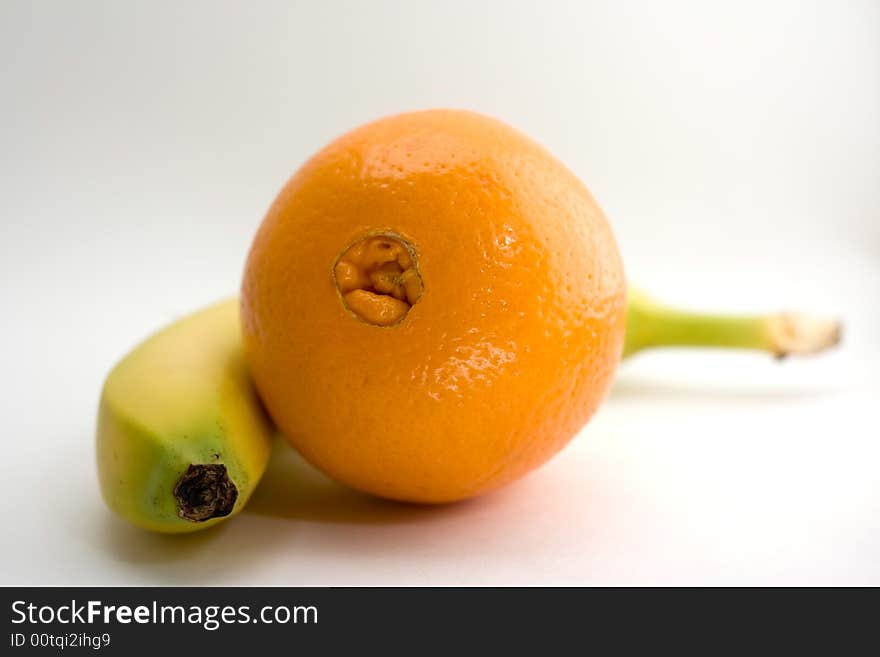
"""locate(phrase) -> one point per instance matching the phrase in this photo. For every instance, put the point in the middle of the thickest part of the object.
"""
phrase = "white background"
(734, 146)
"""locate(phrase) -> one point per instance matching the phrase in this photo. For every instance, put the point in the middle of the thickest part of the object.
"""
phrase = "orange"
(433, 306)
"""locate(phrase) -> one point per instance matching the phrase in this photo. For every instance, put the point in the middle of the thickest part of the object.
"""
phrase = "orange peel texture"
(433, 306)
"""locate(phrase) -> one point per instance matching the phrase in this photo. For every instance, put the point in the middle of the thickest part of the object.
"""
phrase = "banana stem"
(651, 325)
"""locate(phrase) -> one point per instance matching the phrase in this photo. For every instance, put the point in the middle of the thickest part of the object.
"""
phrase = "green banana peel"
(651, 325)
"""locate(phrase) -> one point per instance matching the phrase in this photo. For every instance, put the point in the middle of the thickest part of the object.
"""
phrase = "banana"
(182, 439)
(650, 325)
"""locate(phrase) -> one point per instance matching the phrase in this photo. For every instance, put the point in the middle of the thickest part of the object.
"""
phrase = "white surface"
(735, 147)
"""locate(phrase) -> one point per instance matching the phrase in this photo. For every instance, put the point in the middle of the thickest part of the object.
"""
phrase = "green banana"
(650, 324)
(182, 438)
